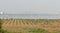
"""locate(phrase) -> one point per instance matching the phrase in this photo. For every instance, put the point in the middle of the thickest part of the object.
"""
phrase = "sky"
(30, 6)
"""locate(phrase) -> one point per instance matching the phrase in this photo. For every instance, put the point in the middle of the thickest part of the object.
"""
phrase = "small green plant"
(56, 31)
(1, 30)
(0, 26)
(37, 30)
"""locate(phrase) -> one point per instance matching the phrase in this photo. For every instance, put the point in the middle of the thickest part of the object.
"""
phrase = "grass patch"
(38, 30)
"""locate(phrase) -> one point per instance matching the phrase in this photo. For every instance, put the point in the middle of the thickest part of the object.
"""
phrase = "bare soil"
(21, 24)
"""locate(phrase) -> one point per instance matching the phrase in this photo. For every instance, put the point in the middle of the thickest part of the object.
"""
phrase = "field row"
(23, 25)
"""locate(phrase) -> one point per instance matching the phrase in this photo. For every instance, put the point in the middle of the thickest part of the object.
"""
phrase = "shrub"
(38, 30)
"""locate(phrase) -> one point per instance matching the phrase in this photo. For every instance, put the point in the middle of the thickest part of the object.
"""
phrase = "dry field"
(31, 25)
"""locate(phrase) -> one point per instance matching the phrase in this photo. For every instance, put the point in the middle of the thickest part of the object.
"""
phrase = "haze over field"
(30, 6)
(44, 8)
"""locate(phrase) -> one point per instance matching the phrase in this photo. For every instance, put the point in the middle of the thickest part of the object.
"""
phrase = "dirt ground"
(21, 24)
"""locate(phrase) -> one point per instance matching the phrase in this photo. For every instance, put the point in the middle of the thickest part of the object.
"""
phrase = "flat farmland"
(31, 25)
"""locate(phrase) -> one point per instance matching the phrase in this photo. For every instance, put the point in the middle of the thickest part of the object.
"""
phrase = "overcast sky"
(30, 6)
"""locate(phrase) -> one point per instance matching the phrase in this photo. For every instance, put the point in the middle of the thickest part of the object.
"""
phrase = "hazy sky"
(30, 6)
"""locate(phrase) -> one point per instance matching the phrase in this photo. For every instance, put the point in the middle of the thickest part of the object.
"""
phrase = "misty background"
(30, 6)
